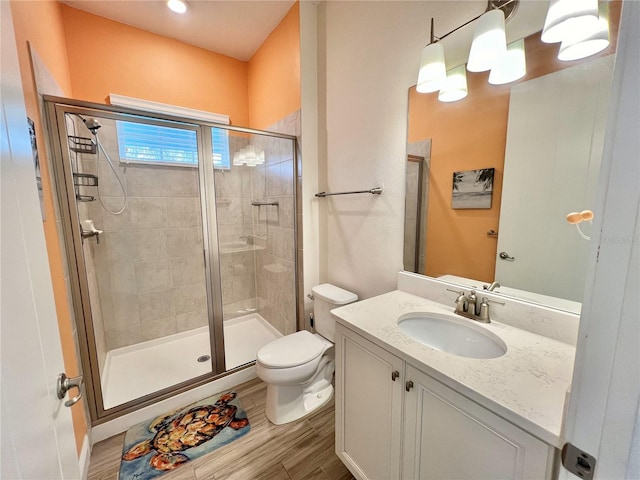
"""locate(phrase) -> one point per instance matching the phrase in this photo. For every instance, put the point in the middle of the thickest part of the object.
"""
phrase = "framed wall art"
(472, 189)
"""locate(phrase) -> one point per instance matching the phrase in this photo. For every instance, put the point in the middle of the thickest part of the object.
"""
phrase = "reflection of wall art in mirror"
(472, 189)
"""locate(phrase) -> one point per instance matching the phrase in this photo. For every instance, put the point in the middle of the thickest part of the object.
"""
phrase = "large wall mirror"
(543, 137)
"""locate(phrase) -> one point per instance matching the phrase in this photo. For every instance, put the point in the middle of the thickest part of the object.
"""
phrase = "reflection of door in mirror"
(414, 233)
(554, 143)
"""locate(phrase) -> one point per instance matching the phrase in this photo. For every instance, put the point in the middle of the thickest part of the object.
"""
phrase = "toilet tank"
(326, 297)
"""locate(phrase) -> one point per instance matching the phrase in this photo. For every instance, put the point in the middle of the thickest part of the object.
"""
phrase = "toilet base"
(287, 403)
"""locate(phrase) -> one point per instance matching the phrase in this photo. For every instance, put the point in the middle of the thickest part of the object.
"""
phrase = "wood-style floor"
(299, 450)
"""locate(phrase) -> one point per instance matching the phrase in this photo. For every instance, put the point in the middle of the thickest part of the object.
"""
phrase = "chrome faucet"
(492, 287)
(467, 306)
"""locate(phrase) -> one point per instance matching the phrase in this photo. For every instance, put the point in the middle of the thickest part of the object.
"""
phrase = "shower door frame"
(55, 109)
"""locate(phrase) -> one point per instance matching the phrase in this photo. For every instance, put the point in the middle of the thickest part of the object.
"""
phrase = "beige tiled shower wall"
(149, 263)
(235, 235)
(274, 226)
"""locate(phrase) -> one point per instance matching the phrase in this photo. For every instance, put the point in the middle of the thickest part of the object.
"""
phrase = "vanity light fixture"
(432, 75)
(568, 18)
(178, 6)
(433, 72)
(590, 42)
(455, 87)
(489, 42)
(511, 66)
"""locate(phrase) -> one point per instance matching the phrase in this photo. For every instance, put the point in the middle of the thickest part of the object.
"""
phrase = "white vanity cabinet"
(406, 425)
(369, 398)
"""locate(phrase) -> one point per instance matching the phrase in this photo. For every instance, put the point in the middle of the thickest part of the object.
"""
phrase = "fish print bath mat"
(159, 445)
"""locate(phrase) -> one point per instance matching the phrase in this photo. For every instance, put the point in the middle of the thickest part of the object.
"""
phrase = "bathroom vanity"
(405, 410)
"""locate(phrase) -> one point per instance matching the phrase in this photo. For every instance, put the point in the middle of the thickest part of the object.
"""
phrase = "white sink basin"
(452, 335)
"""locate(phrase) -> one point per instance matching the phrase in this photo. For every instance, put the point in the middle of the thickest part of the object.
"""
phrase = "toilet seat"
(291, 350)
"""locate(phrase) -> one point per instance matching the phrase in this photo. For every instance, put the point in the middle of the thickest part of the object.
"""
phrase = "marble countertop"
(526, 386)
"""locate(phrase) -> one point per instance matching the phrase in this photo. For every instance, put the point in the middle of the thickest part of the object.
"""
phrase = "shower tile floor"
(134, 371)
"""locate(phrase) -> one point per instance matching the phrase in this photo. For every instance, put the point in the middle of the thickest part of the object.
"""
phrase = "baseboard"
(85, 455)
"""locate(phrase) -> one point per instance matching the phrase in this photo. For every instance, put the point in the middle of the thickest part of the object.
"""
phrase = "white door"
(554, 145)
(603, 417)
(37, 432)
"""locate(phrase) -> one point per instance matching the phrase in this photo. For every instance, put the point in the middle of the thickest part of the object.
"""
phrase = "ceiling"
(234, 28)
(237, 28)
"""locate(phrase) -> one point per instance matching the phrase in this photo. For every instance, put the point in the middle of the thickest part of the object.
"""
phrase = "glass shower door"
(135, 187)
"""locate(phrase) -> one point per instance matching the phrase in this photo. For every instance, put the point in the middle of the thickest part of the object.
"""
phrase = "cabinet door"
(368, 407)
(446, 435)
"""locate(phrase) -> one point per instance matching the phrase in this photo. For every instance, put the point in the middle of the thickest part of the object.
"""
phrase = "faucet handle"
(483, 316)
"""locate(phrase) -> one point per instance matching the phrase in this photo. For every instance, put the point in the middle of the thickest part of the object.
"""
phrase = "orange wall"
(468, 135)
(274, 73)
(110, 57)
(40, 23)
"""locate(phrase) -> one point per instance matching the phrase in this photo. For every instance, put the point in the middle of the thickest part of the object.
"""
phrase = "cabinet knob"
(408, 386)
(395, 374)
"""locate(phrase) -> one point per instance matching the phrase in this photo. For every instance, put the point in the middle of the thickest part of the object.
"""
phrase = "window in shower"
(220, 145)
(154, 144)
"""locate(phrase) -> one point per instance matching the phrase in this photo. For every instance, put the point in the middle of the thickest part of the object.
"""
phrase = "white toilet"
(298, 368)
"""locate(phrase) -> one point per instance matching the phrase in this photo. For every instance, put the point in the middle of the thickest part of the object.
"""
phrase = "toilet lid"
(291, 350)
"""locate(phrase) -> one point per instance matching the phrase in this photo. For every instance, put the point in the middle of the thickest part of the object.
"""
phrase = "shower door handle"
(65, 384)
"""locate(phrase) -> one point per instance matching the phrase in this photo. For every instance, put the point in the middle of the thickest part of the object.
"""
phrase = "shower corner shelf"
(82, 144)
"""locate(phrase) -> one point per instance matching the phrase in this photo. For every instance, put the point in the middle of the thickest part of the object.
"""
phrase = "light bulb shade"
(432, 72)
(590, 42)
(455, 87)
(567, 19)
(489, 41)
(511, 66)
(178, 6)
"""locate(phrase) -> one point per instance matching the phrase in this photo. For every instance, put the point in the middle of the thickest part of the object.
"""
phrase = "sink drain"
(204, 358)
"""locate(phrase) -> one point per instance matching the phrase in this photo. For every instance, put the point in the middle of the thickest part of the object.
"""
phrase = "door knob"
(506, 256)
(408, 386)
(65, 384)
(395, 374)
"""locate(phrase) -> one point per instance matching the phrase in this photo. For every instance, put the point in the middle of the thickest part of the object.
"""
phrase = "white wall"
(311, 228)
(368, 59)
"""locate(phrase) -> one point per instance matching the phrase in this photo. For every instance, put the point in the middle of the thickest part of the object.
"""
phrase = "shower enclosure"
(180, 240)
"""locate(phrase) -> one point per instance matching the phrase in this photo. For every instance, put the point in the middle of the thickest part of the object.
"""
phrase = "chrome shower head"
(92, 124)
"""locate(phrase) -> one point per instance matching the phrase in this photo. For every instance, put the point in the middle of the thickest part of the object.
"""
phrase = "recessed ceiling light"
(178, 6)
